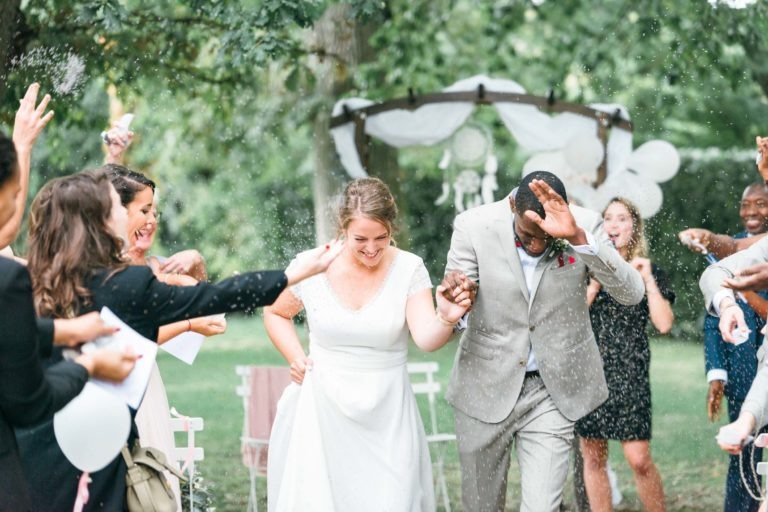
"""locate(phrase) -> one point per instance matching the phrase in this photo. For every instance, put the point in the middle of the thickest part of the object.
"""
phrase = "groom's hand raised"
(558, 221)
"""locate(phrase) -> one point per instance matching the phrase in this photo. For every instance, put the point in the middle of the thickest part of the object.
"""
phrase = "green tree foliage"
(224, 99)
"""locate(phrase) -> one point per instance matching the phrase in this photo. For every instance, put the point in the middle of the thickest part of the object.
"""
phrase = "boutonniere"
(559, 246)
(558, 249)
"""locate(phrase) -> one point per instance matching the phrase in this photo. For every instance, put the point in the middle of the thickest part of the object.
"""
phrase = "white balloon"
(92, 428)
(581, 194)
(642, 192)
(656, 160)
(613, 186)
(584, 152)
(552, 161)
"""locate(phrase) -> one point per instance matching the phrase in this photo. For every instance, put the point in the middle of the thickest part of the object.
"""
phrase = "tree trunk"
(336, 41)
(341, 43)
(383, 164)
(10, 15)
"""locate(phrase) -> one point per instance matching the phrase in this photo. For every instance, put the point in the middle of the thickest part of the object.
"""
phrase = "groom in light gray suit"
(528, 366)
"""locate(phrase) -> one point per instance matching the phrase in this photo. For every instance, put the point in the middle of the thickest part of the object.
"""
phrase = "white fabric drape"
(566, 144)
(533, 129)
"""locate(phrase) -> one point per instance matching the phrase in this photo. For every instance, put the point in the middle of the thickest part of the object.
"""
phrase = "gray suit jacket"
(491, 361)
(710, 283)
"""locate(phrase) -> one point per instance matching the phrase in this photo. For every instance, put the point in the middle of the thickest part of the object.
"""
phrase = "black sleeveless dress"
(621, 336)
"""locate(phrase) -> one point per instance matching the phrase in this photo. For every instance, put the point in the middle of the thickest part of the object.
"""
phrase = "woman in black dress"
(30, 394)
(621, 336)
(77, 229)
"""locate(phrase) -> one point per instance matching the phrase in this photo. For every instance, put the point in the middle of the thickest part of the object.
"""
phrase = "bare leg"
(647, 478)
(595, 454)
(579, 490)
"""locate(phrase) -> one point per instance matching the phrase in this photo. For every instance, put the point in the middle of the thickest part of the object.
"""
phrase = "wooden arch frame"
(480, 97)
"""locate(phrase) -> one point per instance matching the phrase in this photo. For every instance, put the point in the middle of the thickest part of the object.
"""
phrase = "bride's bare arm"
(430, 328)
(278, 321)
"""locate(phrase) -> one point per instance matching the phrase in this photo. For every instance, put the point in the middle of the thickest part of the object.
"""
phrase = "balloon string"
(82, 492)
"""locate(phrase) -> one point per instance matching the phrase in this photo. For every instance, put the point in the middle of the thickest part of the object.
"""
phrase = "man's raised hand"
(558, 221)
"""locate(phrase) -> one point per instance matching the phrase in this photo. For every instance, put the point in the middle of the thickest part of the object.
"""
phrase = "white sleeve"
(717, 374)
(590, 247)
(718, 298)
(296, 288)
(419, 280)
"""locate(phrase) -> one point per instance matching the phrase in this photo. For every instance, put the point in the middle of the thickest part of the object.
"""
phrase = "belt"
(530, 375)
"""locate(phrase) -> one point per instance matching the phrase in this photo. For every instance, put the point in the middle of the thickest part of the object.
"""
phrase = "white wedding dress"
(350, 438)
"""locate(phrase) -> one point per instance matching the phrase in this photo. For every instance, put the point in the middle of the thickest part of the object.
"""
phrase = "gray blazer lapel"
(505, 229)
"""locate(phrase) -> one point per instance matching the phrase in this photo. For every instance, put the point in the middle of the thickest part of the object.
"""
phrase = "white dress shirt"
(529, 263)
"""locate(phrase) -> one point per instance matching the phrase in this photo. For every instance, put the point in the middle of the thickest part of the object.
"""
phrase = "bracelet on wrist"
(445, 322)
(189, 325)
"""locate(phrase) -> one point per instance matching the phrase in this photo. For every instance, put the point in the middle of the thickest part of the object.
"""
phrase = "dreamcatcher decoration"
(470, 148)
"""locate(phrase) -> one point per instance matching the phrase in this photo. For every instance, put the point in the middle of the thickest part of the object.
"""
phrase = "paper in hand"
(186, 345)
(132, 389)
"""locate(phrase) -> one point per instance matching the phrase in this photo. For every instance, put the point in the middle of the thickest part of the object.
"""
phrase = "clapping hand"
(558, 221)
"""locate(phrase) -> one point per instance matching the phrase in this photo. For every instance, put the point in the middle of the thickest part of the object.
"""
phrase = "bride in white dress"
(348, 435)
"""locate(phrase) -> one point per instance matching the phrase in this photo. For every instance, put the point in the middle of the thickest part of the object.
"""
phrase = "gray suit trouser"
(542, 439)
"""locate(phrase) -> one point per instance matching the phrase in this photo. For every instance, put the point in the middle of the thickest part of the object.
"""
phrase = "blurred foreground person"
(29, 394)
(732, 368)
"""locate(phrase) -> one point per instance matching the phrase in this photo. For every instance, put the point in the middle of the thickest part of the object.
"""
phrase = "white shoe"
(616, 495)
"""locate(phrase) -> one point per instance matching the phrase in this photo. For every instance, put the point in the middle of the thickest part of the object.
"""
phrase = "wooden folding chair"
(261, 405)
(189, 454)
(423, 383)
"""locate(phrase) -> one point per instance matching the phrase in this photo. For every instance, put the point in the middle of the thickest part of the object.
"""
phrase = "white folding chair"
(253, 447)
(425, 384)
(189, 454)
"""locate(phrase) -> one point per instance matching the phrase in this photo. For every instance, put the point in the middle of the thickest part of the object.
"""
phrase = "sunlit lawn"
(692, 467)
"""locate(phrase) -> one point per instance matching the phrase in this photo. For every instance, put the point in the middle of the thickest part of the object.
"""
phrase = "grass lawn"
(691, 465)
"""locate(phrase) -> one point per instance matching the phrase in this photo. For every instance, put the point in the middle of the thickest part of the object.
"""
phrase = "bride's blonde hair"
(369, 198)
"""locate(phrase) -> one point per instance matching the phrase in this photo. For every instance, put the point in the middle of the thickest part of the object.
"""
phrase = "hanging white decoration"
(566, 144)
